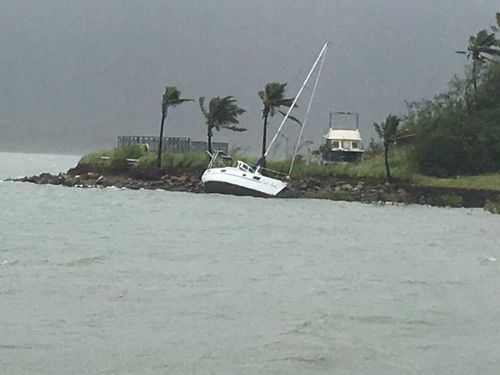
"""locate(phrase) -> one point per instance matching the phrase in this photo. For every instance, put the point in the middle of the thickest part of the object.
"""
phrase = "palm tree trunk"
(264, 135)
(209, 134)
(474, 78)
(386, 160)
(160, 144)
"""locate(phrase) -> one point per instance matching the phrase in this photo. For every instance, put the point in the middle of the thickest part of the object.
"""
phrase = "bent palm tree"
(388, 132)
(272, 97)
(171, 98)
(482, 46)
(496, 28)
(222, 113)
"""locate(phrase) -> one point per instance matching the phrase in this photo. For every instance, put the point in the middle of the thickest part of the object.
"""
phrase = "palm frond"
(293, 118)
(201, 102)
(235, 128)
(481, 45)
(222, 113)
(286, 102)
(172, 98)
(180, 101)
(378, 130)
(273, 96)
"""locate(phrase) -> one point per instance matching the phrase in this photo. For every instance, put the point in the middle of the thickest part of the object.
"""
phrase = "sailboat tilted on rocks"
(225, 176)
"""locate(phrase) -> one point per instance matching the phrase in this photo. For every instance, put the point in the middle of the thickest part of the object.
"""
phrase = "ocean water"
(110, 281)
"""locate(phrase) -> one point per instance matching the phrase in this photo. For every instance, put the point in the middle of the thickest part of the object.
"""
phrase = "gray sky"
(75, 74)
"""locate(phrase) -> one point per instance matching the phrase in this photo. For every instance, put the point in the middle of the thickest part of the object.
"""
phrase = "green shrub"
(446, 200)
(147, 160)
(492, 206)
(125, 152)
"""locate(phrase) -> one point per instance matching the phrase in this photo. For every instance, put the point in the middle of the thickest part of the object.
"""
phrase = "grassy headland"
(364, 180)
(371, 167)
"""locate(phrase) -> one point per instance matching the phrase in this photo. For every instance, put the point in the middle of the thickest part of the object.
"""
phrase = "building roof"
(343, 134)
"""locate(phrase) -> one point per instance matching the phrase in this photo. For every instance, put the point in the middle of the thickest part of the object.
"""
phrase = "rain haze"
(74, 75)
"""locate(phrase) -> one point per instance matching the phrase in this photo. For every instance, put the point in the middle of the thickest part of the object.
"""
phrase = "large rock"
(346, 187)
(156, 184)
(182, 179)
(403, 196)
(47, 178)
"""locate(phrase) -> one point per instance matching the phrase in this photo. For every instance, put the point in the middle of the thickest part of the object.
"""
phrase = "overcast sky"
(75, 74)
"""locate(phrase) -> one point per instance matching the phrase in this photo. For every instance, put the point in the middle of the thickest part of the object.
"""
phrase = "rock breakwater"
(335, 188)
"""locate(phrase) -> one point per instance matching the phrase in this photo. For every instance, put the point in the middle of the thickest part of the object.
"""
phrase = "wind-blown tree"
(171, 98)
(496, 28)
(482, 47)
(222, 113)
(389, 133)
(272, 97)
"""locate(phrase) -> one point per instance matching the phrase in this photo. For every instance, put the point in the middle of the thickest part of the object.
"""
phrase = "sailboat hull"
(235, 181)
(231, 189)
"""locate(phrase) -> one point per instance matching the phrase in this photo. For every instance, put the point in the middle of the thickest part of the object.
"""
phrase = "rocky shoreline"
(335, 188)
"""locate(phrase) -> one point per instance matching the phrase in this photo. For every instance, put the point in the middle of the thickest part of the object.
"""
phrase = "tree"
(374, 147)
(496, 28)
(482, 46)
(171, 98)
(388, 132)
(272, 97)
(222, 113)
(451, 140)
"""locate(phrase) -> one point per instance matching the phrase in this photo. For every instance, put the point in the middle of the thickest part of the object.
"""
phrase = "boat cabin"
(342, 145)
(244, 167)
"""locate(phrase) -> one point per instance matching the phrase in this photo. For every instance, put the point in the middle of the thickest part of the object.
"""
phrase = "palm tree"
(273, 97)
(222, 113)
(388, 132)
(496, 28)
(171, 98)
(482, 46)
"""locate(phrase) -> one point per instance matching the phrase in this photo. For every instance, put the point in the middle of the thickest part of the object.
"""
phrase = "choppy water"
(151, 282)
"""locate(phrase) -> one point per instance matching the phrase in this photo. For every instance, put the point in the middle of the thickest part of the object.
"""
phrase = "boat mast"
(307, 114)
(322, 52)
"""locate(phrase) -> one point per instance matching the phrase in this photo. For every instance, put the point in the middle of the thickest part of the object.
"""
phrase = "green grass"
(95, 158)
(116, 155)
(372, 166)
(195, 160)
(147, 160)
(486, 181)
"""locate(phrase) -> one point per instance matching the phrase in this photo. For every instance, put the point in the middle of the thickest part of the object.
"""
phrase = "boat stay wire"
(320, 56)
(307, 113)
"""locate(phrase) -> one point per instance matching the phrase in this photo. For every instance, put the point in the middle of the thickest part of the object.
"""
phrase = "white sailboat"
(243, 179)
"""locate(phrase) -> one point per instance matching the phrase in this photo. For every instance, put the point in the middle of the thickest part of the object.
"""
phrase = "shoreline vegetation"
(361, 182)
